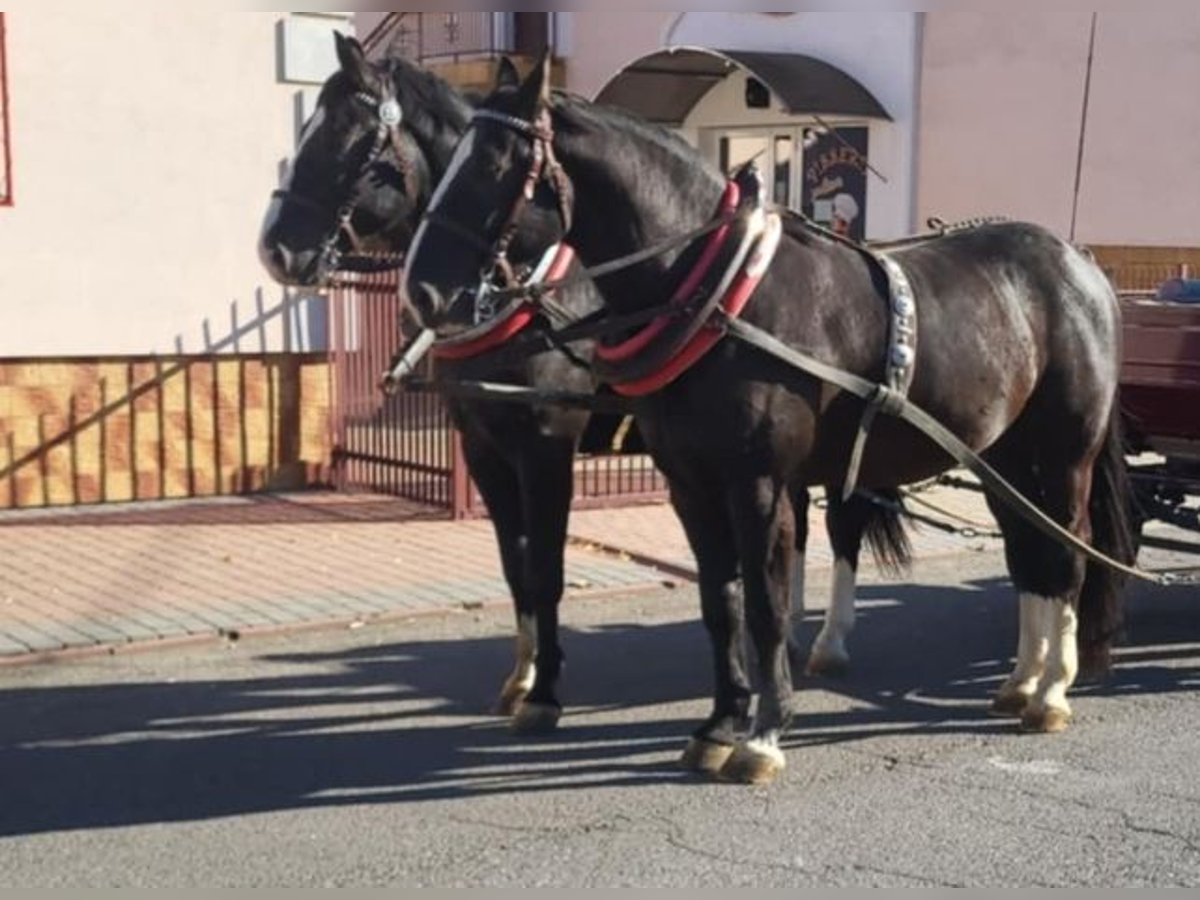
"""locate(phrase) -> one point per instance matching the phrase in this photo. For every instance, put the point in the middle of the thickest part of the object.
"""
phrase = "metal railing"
(1145, 278)
(401, 445)
(404, 445)
(458, 36)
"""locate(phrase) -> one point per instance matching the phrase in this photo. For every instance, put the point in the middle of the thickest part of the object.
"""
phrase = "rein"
(884, 398)
(546, 167)
(894, 404)
(498, 273)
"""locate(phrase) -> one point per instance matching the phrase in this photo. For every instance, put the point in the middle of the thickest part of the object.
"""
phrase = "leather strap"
(906, 410)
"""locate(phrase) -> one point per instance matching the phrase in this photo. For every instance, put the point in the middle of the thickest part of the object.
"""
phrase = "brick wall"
(111, 429)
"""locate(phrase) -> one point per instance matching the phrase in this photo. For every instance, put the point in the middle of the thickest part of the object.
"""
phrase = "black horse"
(360, 180)
(1018, 355)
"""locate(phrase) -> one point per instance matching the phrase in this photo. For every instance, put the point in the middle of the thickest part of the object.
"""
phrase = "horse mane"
(614, 118)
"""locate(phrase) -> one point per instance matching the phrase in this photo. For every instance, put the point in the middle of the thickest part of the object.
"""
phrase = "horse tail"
(883, 528)
(1111, 506)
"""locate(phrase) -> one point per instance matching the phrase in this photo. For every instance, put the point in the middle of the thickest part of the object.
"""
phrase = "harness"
(888, 396)
(498, 277)
(900, 356)
(494, 328)
(730, 267)
(390, 114)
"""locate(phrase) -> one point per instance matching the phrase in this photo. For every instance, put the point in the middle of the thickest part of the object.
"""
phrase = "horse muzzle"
(288, 267)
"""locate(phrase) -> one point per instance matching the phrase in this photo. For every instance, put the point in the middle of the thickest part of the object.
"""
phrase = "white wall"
(145, 148)
(879, 50)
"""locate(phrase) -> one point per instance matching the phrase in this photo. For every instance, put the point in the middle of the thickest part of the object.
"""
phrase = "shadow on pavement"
(405, 722)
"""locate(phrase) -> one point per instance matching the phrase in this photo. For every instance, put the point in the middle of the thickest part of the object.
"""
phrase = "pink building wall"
(1141, 171)
(1001, 104)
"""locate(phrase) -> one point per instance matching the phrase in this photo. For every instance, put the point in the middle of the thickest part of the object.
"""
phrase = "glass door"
(773, 150)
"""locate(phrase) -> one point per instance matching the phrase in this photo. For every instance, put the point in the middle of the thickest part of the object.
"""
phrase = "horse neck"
(633, 188)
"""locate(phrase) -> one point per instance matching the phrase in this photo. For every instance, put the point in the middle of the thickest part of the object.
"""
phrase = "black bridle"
(389, 114)
(498, 274)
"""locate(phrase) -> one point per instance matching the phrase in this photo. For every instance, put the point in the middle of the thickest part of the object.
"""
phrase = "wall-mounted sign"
(835, 180)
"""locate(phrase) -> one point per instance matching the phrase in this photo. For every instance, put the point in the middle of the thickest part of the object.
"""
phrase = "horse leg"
(844, 522)
(1067, 492)
(800, 501)
(1048, 578)
(764, 525)
(498, 484)
(848, 523)
(1023, 546)
(708, 531)
(547, 484)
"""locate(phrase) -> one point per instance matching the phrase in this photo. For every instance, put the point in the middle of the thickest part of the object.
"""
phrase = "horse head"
(502, 207)
(359, 180)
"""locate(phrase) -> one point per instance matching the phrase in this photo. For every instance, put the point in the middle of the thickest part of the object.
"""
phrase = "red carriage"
(1160, 390)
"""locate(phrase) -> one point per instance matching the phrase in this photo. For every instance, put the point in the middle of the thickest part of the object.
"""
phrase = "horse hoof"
(536, 718)
(704, 756)
(753, 763)
(509, 701)
(828, 665)
(1048, 720)
(1009, 705)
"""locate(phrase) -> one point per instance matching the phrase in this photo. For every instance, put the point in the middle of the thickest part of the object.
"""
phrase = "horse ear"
(353, 60)
(535, 92)
(507, 74)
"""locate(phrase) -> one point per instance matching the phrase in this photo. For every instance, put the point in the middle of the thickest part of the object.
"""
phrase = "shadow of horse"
(405, 722)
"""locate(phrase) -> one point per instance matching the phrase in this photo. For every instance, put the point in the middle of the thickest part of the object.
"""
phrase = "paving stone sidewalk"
(107, 577)
(152, 572)
(653, 534)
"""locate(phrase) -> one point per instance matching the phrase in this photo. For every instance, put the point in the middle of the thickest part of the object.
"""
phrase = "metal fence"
(457, 36)
(1145, 278)
(401, 445)
(404, 445)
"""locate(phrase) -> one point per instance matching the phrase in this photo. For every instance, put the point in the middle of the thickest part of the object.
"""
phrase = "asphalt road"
(366, 758)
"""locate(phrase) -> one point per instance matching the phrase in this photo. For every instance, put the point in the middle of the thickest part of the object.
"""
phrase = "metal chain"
(969, 530)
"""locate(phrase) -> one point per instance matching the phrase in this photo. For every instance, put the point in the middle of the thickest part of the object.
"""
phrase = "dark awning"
(665, 86)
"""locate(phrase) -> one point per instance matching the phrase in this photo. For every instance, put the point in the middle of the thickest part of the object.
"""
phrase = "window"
(5, 154)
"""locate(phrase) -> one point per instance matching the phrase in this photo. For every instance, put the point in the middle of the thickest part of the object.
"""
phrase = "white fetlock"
(756, 761)
(829, 655)
(524, 673)
(767, 748)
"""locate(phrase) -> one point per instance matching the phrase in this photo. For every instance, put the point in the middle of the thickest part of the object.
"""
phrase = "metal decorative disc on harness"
(900, 358)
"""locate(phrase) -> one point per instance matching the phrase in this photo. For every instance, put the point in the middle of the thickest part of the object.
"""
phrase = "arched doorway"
(803, 121)
(808, 94)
